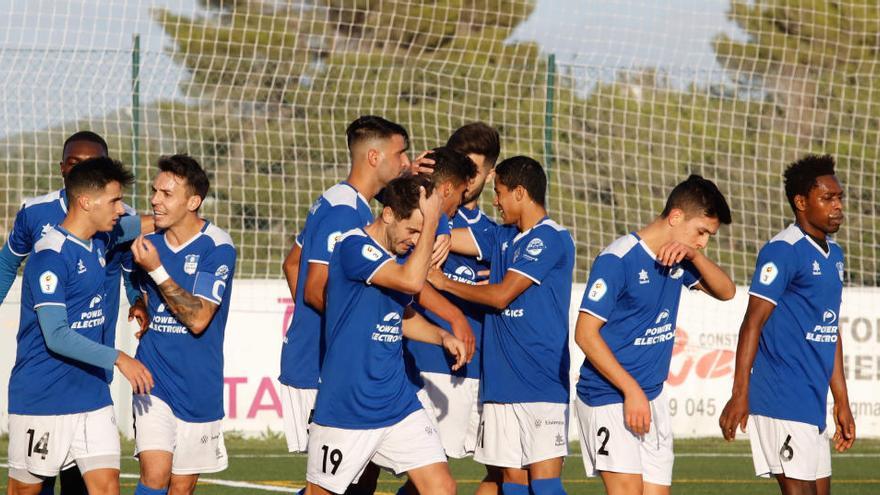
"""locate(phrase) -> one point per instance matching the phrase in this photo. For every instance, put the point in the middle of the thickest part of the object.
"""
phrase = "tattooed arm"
(194, 312)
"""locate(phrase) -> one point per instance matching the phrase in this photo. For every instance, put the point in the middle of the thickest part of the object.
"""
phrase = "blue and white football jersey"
(431, 358)
(68, 272)
(792, 369)
(363, 380)
(40, 214)
(340, 209)
(525, 346)
(188, 368)
(637, 298)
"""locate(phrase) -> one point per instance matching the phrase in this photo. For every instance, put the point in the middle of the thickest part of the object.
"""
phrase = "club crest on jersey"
(839, 265)
(676, 273)
(371, 253)
(817, 270)
(101, 258)
(643, 277)
(769, 273)
(222, 272)
(190, 264)
(332, 239)
(535, 247)
(597, 290)
(80, 266)
(48, 282)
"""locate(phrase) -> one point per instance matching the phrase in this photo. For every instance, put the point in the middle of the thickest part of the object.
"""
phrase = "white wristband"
(159, 275)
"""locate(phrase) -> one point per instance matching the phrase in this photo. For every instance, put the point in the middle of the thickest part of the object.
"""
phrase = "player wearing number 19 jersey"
(789, 350)
(626, 329)
(366, 409)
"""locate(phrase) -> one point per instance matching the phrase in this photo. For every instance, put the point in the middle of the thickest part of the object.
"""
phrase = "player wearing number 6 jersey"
(366, 409)
(60, 411)
(789, 348)
(626, 328)
(186, 271)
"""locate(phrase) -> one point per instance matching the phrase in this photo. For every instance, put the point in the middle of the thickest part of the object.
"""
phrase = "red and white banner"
(699, 383)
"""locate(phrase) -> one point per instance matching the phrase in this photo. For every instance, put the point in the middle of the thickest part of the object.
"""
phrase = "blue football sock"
(550, 486)
(514, 489)
(143, 490)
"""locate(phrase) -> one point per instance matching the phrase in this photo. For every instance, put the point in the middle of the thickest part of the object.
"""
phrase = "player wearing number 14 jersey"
(626, 329)
(789, 348)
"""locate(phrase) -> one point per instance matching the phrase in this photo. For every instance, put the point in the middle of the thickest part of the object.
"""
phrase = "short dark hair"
(371, 127)
(402, 194)
(451, 165)
(697, 194)
(800, 176)
(526, 172)
(478, 138)
(94, 174)
(188, 168)
(87, 136)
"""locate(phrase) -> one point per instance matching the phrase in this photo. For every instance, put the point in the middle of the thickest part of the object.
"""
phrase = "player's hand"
(136, 373)
(463, 331)
(437, 279)
(845, 434)
(455, 347)
(637, 411)
(430, 207)
(673, 252)
(145, 254)
(441, 250)
(138, 311)
(422, 165)
(735, 413)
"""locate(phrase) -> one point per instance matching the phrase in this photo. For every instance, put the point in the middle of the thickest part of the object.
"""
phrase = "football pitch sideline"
(703, 466)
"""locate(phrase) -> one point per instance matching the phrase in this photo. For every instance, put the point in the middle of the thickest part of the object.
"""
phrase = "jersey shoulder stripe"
(621, 246)
(790, 235)
(53, 240)
(39, 200)
(351, 233)
(218, 235)
(341, 195)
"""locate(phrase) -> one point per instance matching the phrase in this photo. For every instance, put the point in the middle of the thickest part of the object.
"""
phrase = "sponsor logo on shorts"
(559, 440)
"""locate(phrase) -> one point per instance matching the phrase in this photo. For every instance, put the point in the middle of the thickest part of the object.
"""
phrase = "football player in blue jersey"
(59, 400)
(39, 214)
(626, 328)
(366, 408)
(188, 266)
(789, 350)
(378, 150)
(524, 422)
(452, 398)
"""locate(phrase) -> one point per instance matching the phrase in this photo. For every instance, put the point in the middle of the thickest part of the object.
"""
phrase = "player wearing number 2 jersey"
(626, 329)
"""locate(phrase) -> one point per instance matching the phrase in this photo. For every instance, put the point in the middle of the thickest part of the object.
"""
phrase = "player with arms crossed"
(188, 267)
(60, 410)
(789, 348)
(626, 328)
(366, 409)
(524, 422)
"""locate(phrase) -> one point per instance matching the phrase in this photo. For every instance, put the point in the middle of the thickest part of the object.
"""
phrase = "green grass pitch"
(705, 466)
